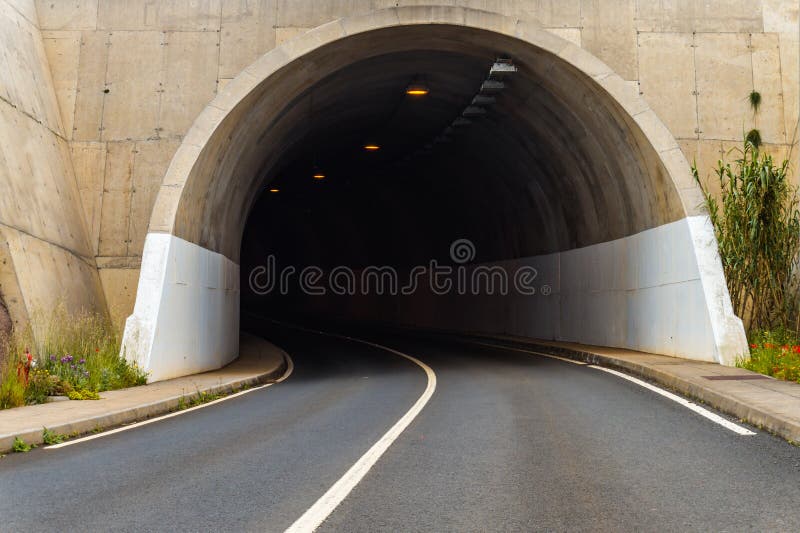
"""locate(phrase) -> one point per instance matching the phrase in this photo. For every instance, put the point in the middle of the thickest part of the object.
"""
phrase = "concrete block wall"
(45, 256)
(131, 76)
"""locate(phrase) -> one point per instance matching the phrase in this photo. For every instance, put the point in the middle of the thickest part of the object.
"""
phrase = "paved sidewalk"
(259, 361)
(762, 401)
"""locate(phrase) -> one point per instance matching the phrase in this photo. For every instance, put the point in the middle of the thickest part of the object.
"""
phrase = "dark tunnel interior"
(535, 167)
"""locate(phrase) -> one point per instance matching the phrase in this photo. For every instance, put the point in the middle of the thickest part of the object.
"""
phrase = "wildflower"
(52, 357)
(753, 346)
(65, 359)
(769, 345)
(82, 361)
(796, 349)
(86, 373)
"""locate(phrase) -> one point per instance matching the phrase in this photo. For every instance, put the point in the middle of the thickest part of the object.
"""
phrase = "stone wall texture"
(102, 91)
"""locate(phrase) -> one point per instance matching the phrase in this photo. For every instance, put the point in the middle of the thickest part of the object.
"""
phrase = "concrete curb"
(772, 422)
(140, 412)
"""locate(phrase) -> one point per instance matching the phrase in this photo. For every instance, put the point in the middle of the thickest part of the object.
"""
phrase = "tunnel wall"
(45, 257)
(659, 291)
(188, 310)
(130, 77)
(203, 198)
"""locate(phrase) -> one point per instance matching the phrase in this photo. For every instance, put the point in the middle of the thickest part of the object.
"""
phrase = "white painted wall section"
(186, 317)
(660, 291)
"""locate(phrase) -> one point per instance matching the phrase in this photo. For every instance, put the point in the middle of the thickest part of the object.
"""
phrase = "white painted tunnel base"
(660, 291)
(186, 317)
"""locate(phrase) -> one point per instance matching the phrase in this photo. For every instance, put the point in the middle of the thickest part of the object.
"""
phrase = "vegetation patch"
(60, 354)
(83, 394)
(198, 399)
(757, 224)
(775, 353)
(50, 437)
(20, 446)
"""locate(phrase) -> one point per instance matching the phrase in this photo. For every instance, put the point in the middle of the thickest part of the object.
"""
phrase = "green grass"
(12, 390)
(71, 355)
(775, 353)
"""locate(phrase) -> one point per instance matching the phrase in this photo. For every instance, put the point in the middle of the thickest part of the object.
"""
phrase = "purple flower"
(72, 367)
(82, 361)
(65, 359)
(52, 357)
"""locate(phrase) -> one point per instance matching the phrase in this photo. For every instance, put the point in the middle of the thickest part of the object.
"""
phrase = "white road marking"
(736, 428)
(289, 369)
(551, 356)
(328, 502)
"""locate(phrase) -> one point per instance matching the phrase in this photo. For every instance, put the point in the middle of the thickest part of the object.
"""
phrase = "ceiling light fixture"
(371, 147)
(274, 190)
(417, 89)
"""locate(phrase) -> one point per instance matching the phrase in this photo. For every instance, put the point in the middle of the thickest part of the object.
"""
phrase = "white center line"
(736, 428)
(328, 502)
(289, 368)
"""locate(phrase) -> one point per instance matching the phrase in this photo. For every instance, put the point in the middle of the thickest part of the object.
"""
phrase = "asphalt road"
(508, 442)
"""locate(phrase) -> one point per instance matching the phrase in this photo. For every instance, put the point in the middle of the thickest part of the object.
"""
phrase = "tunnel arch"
(621, 175)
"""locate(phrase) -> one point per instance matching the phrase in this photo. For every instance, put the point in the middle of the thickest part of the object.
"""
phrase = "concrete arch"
(186, 314)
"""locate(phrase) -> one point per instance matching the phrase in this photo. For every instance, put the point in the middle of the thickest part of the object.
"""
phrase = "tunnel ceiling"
(553, 165)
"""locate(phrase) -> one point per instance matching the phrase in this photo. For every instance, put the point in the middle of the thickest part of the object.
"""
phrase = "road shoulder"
(259, 362)
(767, 403)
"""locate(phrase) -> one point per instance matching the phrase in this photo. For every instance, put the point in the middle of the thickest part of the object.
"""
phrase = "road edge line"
(287, 372)
(702, 411)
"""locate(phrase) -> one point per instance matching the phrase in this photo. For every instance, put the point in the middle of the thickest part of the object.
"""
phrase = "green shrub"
(20, 446)
(49, 437)
(40, 385)
(757, 225)
(83, 394)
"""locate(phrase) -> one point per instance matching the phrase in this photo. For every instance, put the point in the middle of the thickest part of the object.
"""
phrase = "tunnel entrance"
(317, 156)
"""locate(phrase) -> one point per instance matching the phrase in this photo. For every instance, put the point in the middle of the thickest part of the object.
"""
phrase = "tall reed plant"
(757, 224)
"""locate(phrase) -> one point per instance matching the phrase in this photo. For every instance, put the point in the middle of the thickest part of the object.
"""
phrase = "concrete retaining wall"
(130, 77)
(45, 257)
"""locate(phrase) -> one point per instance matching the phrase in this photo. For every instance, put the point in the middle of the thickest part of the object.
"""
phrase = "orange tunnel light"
(417, 90)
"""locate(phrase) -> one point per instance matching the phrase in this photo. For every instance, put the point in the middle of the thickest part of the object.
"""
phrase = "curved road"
(509, 441)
